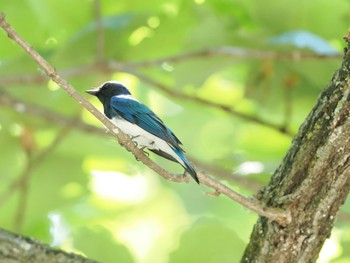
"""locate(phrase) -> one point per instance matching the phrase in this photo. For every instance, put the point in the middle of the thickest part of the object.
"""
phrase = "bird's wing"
(139, 114)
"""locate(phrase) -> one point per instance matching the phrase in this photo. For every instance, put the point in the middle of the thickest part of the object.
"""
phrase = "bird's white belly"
(144, 138)
(138, 135)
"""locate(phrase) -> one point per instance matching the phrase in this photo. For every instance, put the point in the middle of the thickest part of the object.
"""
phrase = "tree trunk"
(18, 249)
(311, 183)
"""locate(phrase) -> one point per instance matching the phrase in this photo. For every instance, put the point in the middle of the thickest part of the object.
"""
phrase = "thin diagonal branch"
(228, 109)
(282, 217)
(235, 52)
(47, 114)
(226, 175)
(100, 36)
(23, 181)
(124, 140)
(112, 66)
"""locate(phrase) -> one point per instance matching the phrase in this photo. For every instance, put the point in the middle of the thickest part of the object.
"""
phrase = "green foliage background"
(86, 194)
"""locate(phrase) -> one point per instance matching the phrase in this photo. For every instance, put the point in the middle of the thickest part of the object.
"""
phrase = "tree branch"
(228, 109)
(234, 52)
(48, 115)
(16, 248)
(112, 66)
(124, 140)
(226, 175)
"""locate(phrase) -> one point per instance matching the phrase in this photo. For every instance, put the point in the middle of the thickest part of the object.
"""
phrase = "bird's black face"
(108, 90)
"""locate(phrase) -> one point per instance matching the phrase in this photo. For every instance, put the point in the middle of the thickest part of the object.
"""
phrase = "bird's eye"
(106, 86)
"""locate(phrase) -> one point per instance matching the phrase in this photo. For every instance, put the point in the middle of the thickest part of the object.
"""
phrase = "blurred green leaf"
(91, 241)
(208, 241)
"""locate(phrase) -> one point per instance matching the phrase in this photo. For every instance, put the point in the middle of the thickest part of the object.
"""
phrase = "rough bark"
(312, 182)
(18, 249)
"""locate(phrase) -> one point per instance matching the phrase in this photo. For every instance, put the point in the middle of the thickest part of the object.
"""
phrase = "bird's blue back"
(139, 114)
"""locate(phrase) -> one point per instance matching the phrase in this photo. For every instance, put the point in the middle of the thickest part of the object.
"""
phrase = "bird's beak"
(92, 91)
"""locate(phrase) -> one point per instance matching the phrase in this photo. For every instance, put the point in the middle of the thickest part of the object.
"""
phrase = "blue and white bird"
(143, 126)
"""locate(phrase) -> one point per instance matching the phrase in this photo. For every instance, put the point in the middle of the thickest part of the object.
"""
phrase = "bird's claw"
(143, 149)
(132, 139)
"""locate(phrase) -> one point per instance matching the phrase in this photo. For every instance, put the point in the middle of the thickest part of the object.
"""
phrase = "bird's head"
(108, 90)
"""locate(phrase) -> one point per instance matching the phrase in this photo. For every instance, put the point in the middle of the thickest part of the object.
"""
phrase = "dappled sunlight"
(152, 230)
(247, 168)
(170, 8)
(52, 86)
(59, 230)
(72, 190)
(119, 187)
(331, 248)
(141, 234)
(162, 106)
(112, 163)
(128, 80)
(153, 22)
(139, 35)
(218, 88)
(199, 2)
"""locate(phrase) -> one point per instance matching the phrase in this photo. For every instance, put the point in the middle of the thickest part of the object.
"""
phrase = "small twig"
(9, 191)
(23, 181)
(23, 185)
(235, 52)
(226, 175)
(277, 215)
(113, 66)
(47, 114)
(100, 36)
(226, 108)
(215, 193)
(272, 214)
(38, 78)
(289, 82)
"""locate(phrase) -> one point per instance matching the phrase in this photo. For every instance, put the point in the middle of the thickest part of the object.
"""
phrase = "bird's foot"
(186, 175)
(132, 139)
(143, 149)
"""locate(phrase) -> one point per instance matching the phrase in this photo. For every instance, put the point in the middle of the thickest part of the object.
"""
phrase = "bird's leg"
(134, 137)
(143, 149)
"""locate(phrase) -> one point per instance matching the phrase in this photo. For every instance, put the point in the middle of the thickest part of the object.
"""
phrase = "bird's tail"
(186, 164)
